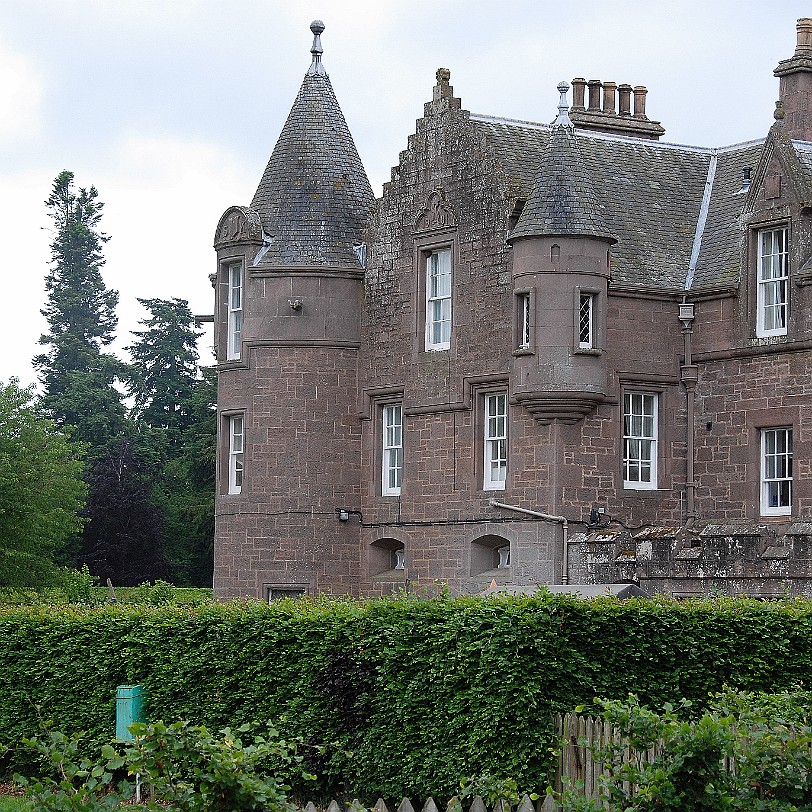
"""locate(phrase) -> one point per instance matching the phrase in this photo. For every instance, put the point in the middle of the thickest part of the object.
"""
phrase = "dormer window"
(773, 282)
(234, 310)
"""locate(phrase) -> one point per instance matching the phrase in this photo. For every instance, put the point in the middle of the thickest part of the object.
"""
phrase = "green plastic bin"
(130, 707)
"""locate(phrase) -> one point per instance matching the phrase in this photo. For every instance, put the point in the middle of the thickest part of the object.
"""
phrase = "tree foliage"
(76, 374)
(123, 539)
(163, 373)
(174, 410)
(41, 490)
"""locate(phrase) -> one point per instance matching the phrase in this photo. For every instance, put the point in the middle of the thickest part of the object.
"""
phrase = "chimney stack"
(795, 88)
(609, 109)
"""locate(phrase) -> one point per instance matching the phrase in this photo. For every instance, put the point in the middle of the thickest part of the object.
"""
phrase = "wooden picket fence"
(576, 764)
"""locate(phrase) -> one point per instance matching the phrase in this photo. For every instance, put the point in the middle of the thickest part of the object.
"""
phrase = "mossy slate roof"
(314, 198)
(650, 196)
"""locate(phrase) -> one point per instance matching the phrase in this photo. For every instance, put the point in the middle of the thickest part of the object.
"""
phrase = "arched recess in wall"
(387, 555)
(488, 553)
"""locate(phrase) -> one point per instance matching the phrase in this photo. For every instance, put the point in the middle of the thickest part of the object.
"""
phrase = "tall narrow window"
(639, 440)
(392, 450)
(236, 444)
(523, 321)
(773, 282)
(234, 310)
(495, 442)
(586, 324)
(438, 300)
(776, 472)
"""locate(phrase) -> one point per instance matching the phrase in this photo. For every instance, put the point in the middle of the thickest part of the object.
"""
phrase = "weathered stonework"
(586, 269)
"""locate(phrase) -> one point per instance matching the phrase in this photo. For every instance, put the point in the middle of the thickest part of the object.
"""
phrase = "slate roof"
(671, 230)
(563, 200)
(314, 198)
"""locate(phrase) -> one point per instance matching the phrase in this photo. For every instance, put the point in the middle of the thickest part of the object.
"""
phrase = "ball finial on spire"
(563, 119)
(317, 27)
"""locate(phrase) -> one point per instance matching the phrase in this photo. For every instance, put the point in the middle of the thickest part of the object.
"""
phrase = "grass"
(10, 803)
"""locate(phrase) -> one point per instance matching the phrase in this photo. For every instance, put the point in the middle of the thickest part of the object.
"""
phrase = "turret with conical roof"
(561, 251)
(314, 198)
(289, 292)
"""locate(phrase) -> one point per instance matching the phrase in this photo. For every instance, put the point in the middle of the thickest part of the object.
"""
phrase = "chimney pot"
(594, 86)
(804, 28)
(625, 99)
(578, 90)
(640, 101)
(609, 89)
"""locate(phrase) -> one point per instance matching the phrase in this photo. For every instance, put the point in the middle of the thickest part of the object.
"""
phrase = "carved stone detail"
(238, 224)
(436, 214)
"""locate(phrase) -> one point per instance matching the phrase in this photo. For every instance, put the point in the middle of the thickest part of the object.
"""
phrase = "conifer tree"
(76, 374)
(163, 373)
(175, 410)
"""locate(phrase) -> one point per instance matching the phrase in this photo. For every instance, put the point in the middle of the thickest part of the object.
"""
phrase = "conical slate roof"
(314, 198)
(563, 200)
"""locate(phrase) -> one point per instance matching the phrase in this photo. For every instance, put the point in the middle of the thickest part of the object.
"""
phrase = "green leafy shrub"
(185, 767)
(391, 697)
(72, 782)
(159, 593)
(194, 770)
(79, 586)
(746, 751)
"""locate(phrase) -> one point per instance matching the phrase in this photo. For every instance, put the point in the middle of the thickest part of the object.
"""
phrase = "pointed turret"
(314, 198)
(561, 274)
(563, 201)
(289, 287)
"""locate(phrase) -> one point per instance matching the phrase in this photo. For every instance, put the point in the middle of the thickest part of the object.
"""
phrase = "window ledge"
(524, 351)
(588, 351)
(390, 575)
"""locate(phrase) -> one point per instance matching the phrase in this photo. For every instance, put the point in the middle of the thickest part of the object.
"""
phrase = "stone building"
(549, 353)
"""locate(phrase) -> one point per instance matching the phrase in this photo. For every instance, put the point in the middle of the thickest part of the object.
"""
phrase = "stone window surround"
(598, 321)
(234, 315)
(385, 467)
(227, 470)
(765, 508)
(487, 553)
(524, 307)
(384, 555)
(635, 485)
(754, 263)
(489, 399)
(424, 245)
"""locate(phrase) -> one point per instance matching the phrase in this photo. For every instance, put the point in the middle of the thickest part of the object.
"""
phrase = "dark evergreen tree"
(187, 490)
(163, 373)
(175, 411)
(76, 374)
(123, 536)
(123, 539)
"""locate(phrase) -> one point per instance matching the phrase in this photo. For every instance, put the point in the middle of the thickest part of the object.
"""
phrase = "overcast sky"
(171, 108)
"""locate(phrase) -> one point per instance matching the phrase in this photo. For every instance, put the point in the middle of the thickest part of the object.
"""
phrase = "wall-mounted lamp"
(343, 514)
(295, 304)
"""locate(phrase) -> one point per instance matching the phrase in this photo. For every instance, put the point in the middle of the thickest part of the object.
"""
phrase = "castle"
(548, 354)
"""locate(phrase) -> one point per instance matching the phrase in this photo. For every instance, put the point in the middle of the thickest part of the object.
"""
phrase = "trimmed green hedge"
(392, 697)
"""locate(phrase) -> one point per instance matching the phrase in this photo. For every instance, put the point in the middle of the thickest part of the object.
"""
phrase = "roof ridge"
(671, 145)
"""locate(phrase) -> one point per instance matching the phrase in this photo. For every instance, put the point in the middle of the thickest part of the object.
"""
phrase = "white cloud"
(20, 96)
(162, 203)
